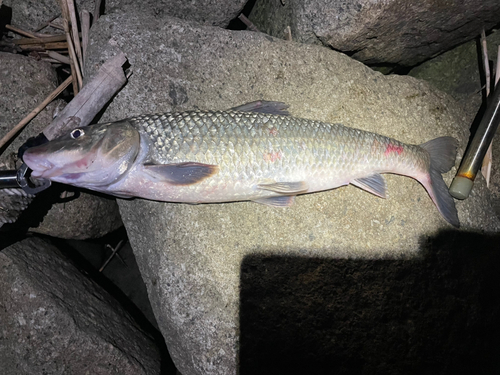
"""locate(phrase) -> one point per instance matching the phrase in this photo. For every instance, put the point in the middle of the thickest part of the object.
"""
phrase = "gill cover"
(92, 156)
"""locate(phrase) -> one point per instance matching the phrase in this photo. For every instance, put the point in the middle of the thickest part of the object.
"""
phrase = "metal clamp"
(25, 183)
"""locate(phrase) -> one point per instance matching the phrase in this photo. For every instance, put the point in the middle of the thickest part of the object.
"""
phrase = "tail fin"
(442, 151)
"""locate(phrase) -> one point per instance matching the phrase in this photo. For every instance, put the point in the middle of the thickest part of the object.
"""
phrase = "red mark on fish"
(393, 148)
(273, 156)
(273, 132)
(84, 163)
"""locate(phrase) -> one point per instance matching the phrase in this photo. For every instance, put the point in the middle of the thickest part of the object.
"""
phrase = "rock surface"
(56, 321)
(24, 84)
(29, 15)
(191, 256)
(80, 216)
(394, 31)
(122, 271)
(209, 12)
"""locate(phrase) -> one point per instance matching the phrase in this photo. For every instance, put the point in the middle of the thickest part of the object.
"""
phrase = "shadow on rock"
(435, 314)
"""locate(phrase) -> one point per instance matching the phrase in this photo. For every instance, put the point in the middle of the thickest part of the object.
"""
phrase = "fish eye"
(77, 133)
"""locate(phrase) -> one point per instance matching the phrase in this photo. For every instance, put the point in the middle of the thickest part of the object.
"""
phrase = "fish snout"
(37, 163)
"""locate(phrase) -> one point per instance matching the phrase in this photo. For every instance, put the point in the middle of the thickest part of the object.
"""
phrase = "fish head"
(93, 157)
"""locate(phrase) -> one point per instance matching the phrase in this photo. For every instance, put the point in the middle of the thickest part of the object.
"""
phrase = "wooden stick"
(497, 72)
(53, 61)
(20, 31)
(35, 112)
(45, 24)
(247, 22)
(37, 40)
(64, 10)
(85, 17)
(77, 79)
(487, 161)
(93, 97)
(59, 57)
(51, 24)
(97, 10)
(73, 57)
(114, 251)
(43, 47)
(74, 31)
(44, 35)
(486, 62)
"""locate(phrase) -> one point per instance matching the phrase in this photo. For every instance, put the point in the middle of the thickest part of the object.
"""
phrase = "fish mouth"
(41, 168)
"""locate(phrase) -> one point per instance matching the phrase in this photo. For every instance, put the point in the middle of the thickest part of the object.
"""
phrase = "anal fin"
(187, 173)
(374, 184)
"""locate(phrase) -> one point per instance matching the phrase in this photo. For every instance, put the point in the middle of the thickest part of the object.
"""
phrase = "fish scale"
(244, 154)
(253, 145)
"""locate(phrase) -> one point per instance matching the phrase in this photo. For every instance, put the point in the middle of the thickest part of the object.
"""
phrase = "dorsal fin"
(264, 106)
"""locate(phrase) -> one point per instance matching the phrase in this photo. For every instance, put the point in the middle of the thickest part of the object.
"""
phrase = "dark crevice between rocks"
(88, 256)
(34, 214)
(84, 255)
(438, 313)
(236, 23)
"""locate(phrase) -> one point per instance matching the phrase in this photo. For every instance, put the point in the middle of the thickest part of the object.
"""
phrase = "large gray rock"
(54, 320)
(191, 256)
(458, 72)
(24, 84)
(29, 15)
(394, 31)
(208, 12)
(80, 216)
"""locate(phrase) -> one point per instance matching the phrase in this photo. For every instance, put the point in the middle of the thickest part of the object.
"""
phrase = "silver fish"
(253, 152)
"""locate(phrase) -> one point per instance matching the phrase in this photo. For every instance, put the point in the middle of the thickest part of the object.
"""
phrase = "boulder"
(379, 32)
(29, 15)
(24, 83)
(212, 12)
(55, 320)
(74, 214)
(191, 257)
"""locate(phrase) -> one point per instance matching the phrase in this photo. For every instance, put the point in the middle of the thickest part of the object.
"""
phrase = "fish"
(255, 152)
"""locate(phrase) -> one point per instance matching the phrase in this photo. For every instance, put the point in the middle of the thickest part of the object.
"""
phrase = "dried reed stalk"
(488, 158)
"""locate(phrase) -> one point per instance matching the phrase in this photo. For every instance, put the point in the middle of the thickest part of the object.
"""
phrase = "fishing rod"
(471, 163)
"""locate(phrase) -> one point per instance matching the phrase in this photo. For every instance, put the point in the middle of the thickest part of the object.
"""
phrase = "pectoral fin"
(286, 188)
(374, 184)
(181, 173)
(279, 201)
